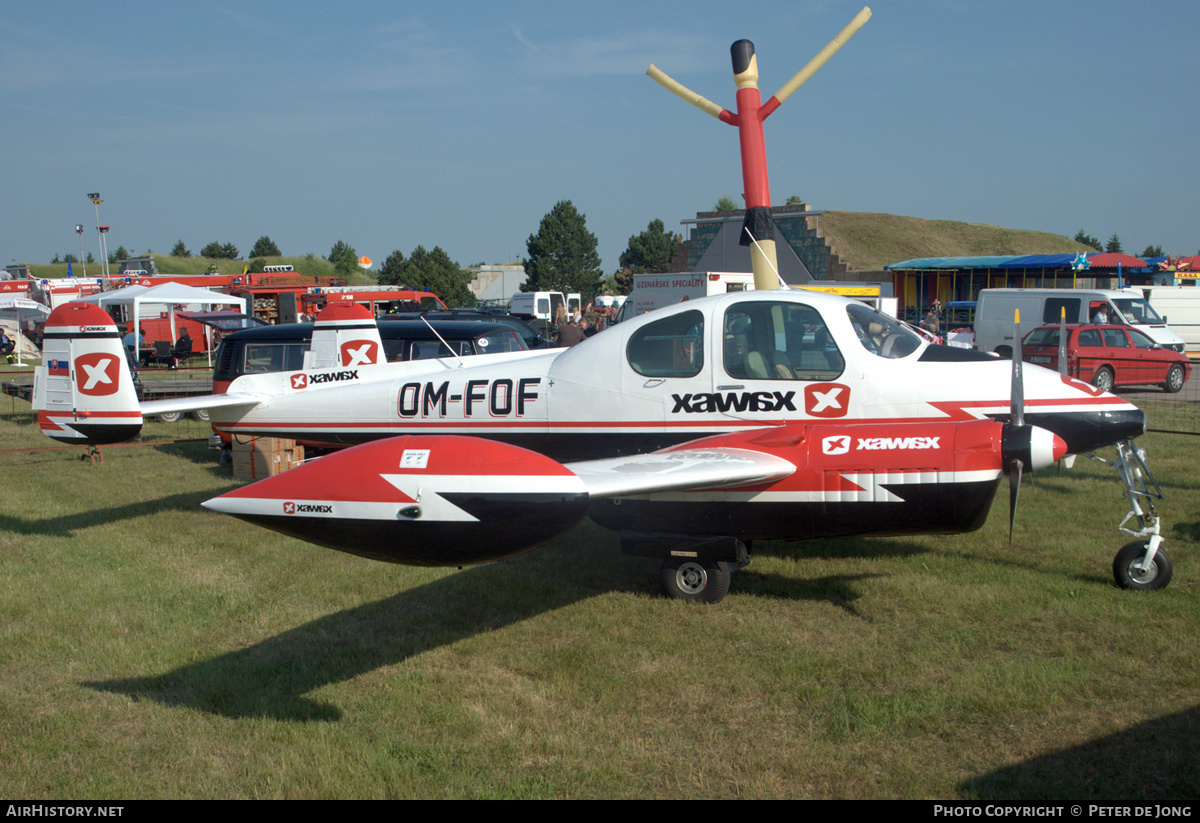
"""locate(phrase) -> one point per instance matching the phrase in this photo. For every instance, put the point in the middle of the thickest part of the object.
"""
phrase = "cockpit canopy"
(765, 340)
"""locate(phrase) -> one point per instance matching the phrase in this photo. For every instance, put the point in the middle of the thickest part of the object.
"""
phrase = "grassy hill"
(867, 241)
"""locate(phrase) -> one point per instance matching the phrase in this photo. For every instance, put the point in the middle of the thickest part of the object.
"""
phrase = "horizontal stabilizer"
(198, 402)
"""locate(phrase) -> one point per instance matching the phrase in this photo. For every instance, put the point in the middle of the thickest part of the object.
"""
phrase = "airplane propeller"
(1022, 445)
(1016, 425)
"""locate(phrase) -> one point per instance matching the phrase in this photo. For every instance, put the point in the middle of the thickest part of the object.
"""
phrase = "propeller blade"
(1014, 491)
(1062, 340)
(1018, 384)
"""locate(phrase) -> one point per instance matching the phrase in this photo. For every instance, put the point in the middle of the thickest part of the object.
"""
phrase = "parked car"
(533, 340)
(282, 348)
(1109, 356)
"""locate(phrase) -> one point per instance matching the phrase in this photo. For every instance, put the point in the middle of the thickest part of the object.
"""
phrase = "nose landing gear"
(1141, 565)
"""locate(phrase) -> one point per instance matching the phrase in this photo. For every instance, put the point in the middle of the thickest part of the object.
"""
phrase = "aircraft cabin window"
(882, 335)
(260, 358)
(671, 347)
(779, 341)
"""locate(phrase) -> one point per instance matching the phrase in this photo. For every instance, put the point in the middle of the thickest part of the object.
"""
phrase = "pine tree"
(265, 247)
(562, 255)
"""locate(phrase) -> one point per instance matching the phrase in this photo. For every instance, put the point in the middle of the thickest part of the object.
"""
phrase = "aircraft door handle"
(652, 382)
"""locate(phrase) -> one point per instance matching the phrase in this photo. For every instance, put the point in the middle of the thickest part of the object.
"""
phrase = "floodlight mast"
(82, 262)
(100, 230)
(751, 113)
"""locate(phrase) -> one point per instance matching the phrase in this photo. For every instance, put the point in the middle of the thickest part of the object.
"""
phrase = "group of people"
(573, 329)
(139, 352)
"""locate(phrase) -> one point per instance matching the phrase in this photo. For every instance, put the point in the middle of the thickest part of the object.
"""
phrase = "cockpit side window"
(671, 347)
(779, 341)
(882, 335)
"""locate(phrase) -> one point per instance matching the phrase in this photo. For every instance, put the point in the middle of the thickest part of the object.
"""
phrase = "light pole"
(100, 230)
(79, 231)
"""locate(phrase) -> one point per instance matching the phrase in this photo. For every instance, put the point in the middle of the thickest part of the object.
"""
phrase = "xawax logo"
(96, 374)
(359, 352)
(826, 400)
(836, 445)
(311, 508)
(299, 381)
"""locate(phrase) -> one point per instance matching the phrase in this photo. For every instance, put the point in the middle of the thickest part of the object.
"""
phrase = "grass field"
(152, 649)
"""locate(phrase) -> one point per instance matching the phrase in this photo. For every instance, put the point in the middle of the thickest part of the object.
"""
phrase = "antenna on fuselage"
(461, 364)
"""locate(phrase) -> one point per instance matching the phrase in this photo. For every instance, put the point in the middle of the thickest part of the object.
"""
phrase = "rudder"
(84, 392)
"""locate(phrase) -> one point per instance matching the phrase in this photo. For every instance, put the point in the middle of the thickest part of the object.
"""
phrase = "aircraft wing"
(194, 403)
(678, 470)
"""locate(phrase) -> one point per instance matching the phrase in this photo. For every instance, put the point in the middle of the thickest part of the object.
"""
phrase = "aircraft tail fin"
(84, 391)
(345, 334)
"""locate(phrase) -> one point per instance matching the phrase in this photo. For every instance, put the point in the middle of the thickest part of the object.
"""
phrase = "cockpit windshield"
(882, 335)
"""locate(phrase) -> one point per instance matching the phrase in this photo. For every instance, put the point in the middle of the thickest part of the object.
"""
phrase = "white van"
(653, 291)
(1179, 306)
(536, 305)
(994, 329)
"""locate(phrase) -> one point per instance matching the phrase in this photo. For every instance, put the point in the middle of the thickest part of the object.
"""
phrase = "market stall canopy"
(23, 311)
(170, 294)
(1019, 261)
(1111, 260)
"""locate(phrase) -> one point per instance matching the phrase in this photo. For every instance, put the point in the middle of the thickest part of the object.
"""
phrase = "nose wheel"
(1135, 568)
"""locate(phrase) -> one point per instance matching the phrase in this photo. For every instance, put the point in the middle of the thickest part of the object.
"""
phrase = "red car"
(1108, 356)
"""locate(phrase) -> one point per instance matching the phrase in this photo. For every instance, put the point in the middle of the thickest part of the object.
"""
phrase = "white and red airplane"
(693, 431)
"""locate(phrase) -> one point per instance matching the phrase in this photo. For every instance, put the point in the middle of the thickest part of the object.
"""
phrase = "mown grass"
(150, 648)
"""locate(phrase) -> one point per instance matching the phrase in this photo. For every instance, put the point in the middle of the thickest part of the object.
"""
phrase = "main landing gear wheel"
(201, 415)
(170, 417)
(1103, 379)
(695, 581)
(1156, 576)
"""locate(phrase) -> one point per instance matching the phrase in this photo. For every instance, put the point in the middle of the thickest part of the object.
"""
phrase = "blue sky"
(460, 124)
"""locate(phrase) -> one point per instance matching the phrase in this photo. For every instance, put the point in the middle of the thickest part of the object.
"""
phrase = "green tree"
(390, 269)
(795, 200)
(212, 250)
(1152, 251)
(265, 247)
(432, 271)
(120, 254)
(562, 255)
(229, 251)
(1086, 239)
(726, 203)
(344, 259)
(651, 251)
(180, 250)
(256, 265)
(1114, 244)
